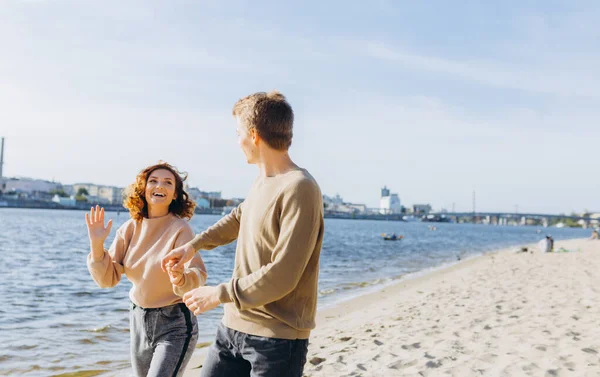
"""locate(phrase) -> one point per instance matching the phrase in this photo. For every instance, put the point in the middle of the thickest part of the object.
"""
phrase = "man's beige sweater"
(279, 231)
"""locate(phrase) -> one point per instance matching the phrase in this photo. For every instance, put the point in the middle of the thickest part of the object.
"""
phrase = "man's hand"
(201, 299)
(178, 257)
(176, 276)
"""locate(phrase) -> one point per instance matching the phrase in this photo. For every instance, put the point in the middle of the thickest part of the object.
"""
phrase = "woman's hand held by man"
(178, 257)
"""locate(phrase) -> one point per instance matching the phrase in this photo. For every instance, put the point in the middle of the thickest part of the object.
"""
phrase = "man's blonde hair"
(270, 115)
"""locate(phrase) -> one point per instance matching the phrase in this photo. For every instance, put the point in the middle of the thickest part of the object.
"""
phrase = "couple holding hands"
(270, 301)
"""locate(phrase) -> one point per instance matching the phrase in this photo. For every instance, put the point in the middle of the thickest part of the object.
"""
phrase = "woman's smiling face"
(160, 188)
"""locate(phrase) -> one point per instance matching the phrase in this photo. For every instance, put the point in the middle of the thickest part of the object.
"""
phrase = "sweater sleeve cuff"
(194, 278)
(93, 263)
(198, 241)
(225, 292)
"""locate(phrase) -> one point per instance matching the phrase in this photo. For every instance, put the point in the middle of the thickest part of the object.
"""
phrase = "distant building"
(421, 209)
(236, 201)
(91, 188)
(211, 194)
(112, 194)
(360, 208)
(28, 185)
(389, 203)
(69, 202)
(336, 204)
(194, 193)
(99, 193)
(385, 191)
(200, 196)
(202, 203)
(333, 201)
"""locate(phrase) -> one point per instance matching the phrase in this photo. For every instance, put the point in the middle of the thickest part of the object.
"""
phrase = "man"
(270, 302)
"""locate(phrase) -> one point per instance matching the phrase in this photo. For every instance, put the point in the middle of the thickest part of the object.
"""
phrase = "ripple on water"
(87, 341)
(26, 347)
(99, 329)
(82, 294)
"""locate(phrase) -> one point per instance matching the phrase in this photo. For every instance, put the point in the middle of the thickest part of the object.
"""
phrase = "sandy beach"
(500, 314)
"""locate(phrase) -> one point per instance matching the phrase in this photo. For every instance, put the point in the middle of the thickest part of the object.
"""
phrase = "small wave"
(203, 344)
(100, 329)
(83, 373)
(104, 362)
(362, 284)
(325, 292)
(82, 294)
(26, 347)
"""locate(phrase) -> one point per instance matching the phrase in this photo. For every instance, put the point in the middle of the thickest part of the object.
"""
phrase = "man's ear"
(255, 136)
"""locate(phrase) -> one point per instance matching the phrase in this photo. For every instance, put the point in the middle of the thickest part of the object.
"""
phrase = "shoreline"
(502, 314)
(362, 318)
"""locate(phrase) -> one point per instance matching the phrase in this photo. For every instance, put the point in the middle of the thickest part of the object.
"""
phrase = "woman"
(163, 331)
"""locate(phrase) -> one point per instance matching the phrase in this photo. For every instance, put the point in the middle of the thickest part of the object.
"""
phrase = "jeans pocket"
(272, 348)
(171, 313)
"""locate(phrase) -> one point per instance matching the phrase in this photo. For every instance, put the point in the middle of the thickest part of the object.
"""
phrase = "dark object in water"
(392, 237)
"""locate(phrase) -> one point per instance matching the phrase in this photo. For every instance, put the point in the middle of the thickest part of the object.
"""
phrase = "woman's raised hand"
(95, 224)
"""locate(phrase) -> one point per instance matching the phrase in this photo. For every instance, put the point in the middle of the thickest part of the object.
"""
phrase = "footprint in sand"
(411, 346)
(570, 366)
(488, 358)
(530, 367)
(401, 365)
(434, 364)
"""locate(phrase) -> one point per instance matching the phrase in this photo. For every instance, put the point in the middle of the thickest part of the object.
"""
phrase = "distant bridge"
(503, 217)
(511, 215)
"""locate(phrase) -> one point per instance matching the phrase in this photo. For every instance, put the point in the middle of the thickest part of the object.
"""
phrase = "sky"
(434, 99)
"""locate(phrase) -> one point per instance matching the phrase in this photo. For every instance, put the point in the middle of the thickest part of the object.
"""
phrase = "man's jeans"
(237, 354)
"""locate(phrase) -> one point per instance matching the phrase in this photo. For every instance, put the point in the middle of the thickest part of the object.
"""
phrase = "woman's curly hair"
(135, 195)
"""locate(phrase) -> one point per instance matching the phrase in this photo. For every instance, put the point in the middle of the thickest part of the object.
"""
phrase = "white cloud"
(544, 79)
